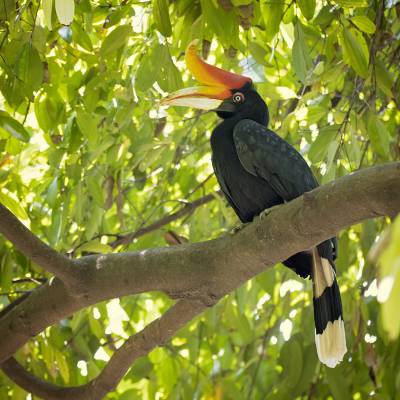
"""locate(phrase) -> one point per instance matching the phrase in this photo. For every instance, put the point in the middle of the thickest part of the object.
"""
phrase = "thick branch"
(155, 334)
(186, 209)
(203, 272)
(32, 247)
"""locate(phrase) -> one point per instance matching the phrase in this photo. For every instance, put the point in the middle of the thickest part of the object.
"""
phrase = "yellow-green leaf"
(62, 365)
(47, 6)
(363, 23)
(8, 200)
(352, 3)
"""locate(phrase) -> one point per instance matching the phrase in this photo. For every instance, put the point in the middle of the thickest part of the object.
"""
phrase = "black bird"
(256, 170)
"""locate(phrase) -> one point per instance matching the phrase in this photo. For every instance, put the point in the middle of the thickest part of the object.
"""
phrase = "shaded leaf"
(116, 39)
(161, 17)
(307, 7)
(13, 127)
(355, 51)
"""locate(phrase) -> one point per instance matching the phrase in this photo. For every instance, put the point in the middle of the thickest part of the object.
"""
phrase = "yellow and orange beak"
(217, 84)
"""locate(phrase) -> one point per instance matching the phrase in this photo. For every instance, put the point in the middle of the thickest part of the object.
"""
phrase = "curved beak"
(217, 84)
(202, 97)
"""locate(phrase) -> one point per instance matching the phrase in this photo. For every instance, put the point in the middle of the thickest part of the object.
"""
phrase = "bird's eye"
(238, 97)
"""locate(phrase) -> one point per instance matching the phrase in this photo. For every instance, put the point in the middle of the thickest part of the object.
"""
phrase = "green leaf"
(88, 126)
(95, 189)
(95, 246)
(258, 52)
(95, 326)
(272, 13)
(49, 110)
(6, 272)
(319, 148)
(115, 40)
(301, 54)
(169, 77)
(140, 369)
(81, 37)
(13, 127)
(307, 8)
(161, 17)
(29, 68)
(291, 359)
(355, 51)
(65, 11)
(145, 74)
(338, 383)
(378, 135)
(363, 23)
(226, 32)
(52, 192)
(384, 78)
(62, 365)
(310, 362)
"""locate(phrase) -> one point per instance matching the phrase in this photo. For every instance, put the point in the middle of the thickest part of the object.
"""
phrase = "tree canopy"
(91, 163)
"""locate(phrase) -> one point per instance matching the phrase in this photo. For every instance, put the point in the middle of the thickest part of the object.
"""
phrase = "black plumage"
(256, 170)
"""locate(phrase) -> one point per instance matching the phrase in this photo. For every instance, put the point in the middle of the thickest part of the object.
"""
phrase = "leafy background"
(87, 155)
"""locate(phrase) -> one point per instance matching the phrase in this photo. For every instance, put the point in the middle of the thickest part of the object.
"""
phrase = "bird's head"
(222, 91)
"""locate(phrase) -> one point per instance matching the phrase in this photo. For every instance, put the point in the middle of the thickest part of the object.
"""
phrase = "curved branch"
(35, 249)
(155, 334)
(203, 272)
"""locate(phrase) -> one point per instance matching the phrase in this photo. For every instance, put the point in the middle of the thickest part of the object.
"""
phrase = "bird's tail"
(330, 337)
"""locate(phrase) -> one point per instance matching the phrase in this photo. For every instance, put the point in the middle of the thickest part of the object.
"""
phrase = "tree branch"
(201, 273)
(35, 249)
(155, 334)
(186, 209)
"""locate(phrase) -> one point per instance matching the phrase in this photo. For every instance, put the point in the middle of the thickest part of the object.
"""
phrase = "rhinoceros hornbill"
(256, 170)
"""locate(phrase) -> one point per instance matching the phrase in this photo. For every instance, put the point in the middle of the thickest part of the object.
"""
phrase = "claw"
(238, 228)
(266, 212)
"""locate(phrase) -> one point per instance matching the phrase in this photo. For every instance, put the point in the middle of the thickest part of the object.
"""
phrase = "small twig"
(186, 209)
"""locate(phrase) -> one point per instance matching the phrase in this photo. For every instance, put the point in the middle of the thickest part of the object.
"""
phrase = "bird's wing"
(265, 154)
(224, 187)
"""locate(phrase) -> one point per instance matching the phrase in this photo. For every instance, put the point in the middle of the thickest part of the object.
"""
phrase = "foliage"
(87, 154)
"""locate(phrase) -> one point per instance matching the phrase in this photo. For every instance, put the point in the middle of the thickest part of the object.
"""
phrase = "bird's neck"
(225, 128)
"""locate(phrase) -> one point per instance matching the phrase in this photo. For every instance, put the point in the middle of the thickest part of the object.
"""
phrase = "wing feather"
(265, 154)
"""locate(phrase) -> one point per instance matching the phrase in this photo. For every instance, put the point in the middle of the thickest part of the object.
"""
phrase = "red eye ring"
(238, 97)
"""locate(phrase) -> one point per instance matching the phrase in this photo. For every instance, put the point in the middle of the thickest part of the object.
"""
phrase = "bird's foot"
(238, 228)
(266, 212)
